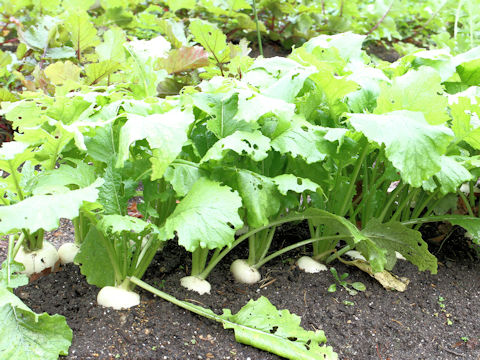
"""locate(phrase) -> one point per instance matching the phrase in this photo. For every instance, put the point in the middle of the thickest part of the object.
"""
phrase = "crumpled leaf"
(207, 217)
(388, 280)
(183, 59)
(261, 325)
(394, 236)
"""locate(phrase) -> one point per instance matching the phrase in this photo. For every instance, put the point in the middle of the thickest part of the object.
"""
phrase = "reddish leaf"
(183, 59)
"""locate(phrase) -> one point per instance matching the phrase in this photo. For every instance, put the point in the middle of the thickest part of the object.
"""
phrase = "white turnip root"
(38, 260)
(197, 284)
(310, 265)
(117, 298)
(244, 273)
(67, 253)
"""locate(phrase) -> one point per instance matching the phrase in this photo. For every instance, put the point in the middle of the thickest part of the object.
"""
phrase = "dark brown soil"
(379, 325)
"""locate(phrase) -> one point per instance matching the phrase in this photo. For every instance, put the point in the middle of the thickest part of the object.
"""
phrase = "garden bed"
(379, 325)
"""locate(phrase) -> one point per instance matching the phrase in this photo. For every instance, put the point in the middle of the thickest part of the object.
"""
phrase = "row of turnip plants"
(363, 152)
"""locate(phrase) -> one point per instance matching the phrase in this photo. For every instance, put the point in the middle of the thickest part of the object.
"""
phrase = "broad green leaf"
(26, 335)
(289, 182)
(94, 259)
(412, 145)
(37, 37)
(417, 90)
(116, 190)
(182, 176)
(7, 297)
(348, 44)
(278, 78)
(69, 110)
(334, 90)
(184, 59)
(101, 147)
(166, 134)
(207, 217)
(464, 113)
(82, 32)
(470, 72)
(175, 5)
(51, 181)
(251, 109)
(469, 223)
(63, 52)
(45, 211)
(24, 114)
(251, 144)
(96, 72)
(393, 236)
(223, 109)
(75, 5)
(119, 224)
(305, 141)
(450, 177)
(112, 46)
(11, 276)
(212, 39)
(261, 325)
(60, 72)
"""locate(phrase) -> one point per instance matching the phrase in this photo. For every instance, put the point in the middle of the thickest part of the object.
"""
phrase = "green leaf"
(251, 144)
(470, 72)
(82, 32)
(94, 259)
(175, 5)
(116, 190)
(10, 275)
(166, 134)
(450, 177)
(45, 211)
(359, 286)
(37, 37)
(417, 90)
(469, 223)
(261, 325)
(289, 182)
(49, 181)
(26, 335)
(182, 177)
(464, 121)
(394, 236)
(212, 39)
(412, 145)
(119, 223)
(98, 71)
(184, 59)
(223, 109)
(60, 72)
(304, 140)
(112, 46)
(207, 217)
